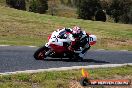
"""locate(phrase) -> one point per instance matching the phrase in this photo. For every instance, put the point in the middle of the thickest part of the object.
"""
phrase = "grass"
(61, 79)
(2, 2)
(61, 9)
(25, 28)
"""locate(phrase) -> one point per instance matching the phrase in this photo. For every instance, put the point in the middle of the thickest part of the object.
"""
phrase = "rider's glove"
(70, 48)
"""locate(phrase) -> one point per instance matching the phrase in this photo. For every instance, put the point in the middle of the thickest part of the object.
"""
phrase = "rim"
(41, 55)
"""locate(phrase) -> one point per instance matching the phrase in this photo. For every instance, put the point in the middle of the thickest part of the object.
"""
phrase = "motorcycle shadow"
(72, 60)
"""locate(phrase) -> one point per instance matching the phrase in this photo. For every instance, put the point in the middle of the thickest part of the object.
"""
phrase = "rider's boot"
(81, 55)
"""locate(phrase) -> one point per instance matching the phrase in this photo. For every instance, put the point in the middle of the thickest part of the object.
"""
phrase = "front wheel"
(40, 53)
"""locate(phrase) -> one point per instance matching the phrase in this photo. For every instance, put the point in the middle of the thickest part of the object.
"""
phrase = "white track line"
(32, 46)
(4, 45)
(66, 68)
(124, 50)
(100, 49)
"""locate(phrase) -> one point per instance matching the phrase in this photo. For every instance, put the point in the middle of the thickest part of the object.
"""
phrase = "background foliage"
(100, 10)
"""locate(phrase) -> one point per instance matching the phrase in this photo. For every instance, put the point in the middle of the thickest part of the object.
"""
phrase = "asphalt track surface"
(14, 58)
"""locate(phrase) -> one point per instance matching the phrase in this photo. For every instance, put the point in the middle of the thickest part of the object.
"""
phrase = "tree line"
(119, 10)
(37, 6)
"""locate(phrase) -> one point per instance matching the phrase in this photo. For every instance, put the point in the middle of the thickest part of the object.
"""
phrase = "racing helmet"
(76, 31)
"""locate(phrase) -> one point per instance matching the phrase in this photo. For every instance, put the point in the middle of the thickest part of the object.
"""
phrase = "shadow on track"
(84, 60)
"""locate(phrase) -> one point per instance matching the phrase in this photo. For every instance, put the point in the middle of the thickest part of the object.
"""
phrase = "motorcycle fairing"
(58, 49)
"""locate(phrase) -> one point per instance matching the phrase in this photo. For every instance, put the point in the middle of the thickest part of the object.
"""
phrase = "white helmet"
(76, 31)
(92, 39)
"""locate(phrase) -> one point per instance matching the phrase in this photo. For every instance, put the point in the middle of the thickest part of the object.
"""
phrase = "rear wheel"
(40, 53)
(77, 57)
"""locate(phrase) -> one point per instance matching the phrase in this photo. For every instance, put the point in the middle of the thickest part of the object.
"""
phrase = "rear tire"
(40, 53)
(78, 58)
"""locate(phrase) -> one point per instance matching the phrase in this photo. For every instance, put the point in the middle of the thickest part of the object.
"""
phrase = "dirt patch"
(75, 84)
(115, 43)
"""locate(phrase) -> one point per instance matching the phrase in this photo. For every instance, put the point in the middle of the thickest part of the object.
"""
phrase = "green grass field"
(62, 79)
(25, 28)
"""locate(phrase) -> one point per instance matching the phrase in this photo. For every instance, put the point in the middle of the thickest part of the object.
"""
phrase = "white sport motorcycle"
(58, 49)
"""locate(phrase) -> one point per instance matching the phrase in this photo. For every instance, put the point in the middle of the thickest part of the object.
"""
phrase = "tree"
(17, 4)
(114, 10)
(33, 6)
(119, 10)
(100, 15)
(43, 6)
(130, 15)
(87, 8)
(38, 6)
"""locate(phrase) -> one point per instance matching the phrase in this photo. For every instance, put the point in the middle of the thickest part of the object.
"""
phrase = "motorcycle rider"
(80, 39)
(72, 38)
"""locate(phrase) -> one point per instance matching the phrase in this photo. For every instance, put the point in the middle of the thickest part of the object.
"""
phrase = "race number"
(90, 39)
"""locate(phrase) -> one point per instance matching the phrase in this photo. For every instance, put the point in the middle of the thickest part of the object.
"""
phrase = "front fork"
(49, 49)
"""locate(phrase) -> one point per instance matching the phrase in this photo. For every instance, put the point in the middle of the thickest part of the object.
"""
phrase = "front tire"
(40, 53)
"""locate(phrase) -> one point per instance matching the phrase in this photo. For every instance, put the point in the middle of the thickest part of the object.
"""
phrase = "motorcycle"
(60, 49)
